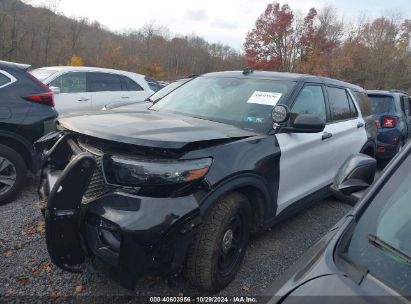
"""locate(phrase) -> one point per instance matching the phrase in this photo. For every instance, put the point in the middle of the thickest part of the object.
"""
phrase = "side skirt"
(300, 205)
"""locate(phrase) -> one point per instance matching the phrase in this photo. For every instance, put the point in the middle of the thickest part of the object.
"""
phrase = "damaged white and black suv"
(181, 186)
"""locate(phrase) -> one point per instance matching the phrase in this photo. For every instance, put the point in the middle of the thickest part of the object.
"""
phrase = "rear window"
(340, 104)
(42, 74)
(381, 104)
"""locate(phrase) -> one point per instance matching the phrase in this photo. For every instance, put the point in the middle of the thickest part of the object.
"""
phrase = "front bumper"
(388, 141)
(127, 234)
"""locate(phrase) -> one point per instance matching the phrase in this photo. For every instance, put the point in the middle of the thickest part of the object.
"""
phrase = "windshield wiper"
(379, 243)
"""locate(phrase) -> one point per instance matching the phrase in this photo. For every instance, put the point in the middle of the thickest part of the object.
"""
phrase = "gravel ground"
(26, 270)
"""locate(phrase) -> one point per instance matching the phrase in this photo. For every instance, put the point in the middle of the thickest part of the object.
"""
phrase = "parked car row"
(81, 89)
(178, 183)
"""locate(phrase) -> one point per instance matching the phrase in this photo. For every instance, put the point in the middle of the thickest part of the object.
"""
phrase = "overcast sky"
(225, 21)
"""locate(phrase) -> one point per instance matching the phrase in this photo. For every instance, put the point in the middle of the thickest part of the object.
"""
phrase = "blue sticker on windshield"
(253, 119)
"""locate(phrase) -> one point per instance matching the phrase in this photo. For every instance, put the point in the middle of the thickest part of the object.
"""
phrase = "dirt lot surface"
(26, 269)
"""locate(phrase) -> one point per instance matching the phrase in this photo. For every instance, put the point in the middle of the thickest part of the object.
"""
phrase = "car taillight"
(380, 149)
(46, 98)
(389, 122)
(377, 123)
(43, 98)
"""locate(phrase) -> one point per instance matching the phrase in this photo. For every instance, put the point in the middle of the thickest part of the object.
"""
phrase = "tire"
(382, 163)
(208, 263)
(13, 172)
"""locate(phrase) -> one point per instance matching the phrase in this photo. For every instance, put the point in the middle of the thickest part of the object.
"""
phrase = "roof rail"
(398, 91)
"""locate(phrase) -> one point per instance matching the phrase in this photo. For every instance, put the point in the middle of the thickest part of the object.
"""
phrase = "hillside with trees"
(41, 36)
(370, 53)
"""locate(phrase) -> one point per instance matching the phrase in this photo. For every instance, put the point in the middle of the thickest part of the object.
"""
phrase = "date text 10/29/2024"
(205, 299)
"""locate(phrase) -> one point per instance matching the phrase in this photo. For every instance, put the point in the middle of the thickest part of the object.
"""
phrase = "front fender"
(268, 205)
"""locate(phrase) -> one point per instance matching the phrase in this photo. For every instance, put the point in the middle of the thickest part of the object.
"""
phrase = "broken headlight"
(135, 172)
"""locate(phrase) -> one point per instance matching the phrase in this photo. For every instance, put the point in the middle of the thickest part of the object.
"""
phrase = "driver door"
(303, 168)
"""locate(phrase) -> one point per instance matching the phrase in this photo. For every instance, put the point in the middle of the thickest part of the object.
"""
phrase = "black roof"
(285, 76)
(13, 65)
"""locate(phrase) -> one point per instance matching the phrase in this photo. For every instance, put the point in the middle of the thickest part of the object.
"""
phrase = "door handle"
(83, 99)
(360, 125)
(326, 135)
(125, 97)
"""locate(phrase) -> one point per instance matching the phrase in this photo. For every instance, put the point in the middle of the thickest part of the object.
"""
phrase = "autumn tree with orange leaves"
(279, 39)
(372, 53)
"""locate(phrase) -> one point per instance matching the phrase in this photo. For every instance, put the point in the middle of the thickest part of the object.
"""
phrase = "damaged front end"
(121, 213)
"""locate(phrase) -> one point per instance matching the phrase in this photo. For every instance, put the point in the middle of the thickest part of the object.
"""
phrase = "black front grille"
(97, 186)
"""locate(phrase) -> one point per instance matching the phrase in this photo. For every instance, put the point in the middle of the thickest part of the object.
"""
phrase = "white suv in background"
(79, 89)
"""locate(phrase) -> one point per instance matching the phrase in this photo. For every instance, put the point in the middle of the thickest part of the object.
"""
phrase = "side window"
(339, 104)
(103, 82)
(70, 83)
(310, 101)
(130, 85)
(405, 105)
(4, 80)
(362, 101)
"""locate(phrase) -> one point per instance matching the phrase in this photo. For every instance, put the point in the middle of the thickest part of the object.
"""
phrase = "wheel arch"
(20, 145)
(254, 188)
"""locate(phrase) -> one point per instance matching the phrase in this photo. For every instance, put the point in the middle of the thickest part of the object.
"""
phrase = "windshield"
(245, 103)
(381, 104)
(167, 89)
(42, 74)
(381, 240)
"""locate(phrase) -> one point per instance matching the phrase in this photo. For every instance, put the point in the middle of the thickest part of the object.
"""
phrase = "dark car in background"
(154, 84)
(391, 110)
(26, 114)
(366, 257)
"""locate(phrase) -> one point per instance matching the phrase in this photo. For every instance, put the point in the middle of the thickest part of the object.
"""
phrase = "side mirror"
(306, 123)
(357, 173)
(55, 90)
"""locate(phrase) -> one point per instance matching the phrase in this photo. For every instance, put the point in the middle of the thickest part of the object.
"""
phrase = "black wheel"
(219, 245)
(13, 171)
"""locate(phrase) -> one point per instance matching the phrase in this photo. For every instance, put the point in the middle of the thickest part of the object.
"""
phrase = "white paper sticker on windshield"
(265, 98)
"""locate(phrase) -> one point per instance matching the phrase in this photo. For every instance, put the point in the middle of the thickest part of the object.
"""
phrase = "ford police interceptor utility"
(179, 187)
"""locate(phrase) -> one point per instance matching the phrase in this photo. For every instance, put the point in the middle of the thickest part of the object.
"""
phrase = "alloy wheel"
(7, 175)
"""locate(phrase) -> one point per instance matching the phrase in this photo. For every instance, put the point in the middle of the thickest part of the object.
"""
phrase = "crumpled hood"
(150, 128)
